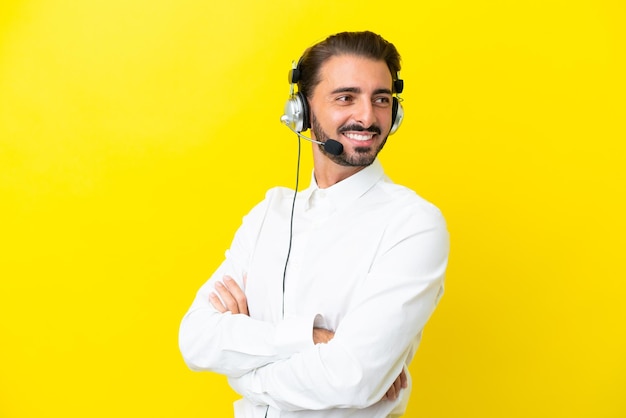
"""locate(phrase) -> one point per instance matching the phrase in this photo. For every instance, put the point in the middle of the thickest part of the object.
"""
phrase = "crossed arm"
(231, 298)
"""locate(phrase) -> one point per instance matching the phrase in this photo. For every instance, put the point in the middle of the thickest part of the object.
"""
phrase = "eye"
(382, 101)
(345, 99)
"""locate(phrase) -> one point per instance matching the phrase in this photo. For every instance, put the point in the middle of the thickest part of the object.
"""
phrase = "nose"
(364, 113)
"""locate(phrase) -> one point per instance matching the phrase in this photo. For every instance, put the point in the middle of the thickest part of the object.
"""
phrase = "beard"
(360, 157)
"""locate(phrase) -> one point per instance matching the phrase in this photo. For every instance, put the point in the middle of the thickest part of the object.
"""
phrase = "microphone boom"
(331, 146)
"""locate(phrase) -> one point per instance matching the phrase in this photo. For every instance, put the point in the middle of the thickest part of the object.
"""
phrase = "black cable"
(293, 205)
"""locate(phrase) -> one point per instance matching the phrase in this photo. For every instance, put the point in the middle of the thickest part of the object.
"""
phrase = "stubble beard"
(361, 157)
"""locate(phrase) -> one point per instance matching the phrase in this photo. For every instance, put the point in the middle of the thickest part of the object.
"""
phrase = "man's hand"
(322, 336)
(231, 297)
(394, 391)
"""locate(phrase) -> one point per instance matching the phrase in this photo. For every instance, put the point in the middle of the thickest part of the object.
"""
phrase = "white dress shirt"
(367, 261)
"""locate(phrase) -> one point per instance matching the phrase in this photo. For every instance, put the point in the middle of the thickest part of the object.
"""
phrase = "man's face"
(352, 104)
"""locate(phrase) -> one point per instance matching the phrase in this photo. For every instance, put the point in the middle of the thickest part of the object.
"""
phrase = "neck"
(327, 172)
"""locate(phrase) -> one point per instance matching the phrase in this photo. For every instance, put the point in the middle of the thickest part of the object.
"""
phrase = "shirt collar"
(348, 189)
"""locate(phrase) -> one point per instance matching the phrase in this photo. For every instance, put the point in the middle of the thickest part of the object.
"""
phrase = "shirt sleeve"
(234, 345)
(374, 340)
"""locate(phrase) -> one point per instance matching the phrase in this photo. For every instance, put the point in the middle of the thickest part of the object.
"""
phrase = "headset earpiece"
(294, 75)
(398, 86)
(397, 114)
(296, 114)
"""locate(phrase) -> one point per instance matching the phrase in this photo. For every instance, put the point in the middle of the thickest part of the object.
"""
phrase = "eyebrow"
(357, 90)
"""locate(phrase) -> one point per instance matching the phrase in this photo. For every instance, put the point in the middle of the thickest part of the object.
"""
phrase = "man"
(320, 303)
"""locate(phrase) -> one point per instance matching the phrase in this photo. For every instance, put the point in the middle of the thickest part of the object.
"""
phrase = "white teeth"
(360, 137)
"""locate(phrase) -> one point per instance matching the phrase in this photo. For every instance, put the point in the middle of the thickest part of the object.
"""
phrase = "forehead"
(352, 71)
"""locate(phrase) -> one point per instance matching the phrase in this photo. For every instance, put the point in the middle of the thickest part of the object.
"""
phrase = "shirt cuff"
(294, 335)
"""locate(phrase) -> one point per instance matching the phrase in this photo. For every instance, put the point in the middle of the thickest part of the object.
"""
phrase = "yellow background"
(134, 135)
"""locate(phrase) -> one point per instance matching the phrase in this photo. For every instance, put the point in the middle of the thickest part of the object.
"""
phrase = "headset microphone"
(331, 146)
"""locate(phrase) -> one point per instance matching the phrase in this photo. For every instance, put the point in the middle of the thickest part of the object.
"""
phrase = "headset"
(297, 115)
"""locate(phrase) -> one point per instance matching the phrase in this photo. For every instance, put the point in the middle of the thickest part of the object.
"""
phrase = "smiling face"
(352, 104)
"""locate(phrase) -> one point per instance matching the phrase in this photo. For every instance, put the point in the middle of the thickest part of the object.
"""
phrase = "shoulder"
(408, 206)
(276, 197)
(414, 223)
(278, 193)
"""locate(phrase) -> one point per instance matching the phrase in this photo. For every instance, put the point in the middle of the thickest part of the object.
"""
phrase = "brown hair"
(365, 44)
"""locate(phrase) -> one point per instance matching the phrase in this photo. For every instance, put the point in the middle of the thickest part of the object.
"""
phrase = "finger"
(217, 303)
(398, 385)
(391, 394)
(227, 298)
(238, 295)
(394, 389)
(404, 380)
(322, 336)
